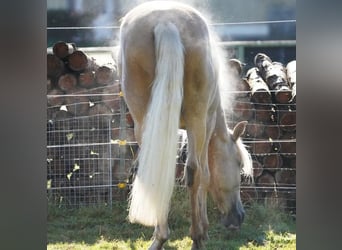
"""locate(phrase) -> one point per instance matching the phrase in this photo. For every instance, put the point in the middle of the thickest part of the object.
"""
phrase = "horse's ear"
(239, 129)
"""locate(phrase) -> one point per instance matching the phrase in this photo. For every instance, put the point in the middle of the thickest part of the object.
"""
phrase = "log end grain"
(62, 49)
(55, 98)
(243, 109)
(78, 61)
(87, 79)
(105, 74)
(67, 82)
(55, 66)
(283, 95)
(262, 60)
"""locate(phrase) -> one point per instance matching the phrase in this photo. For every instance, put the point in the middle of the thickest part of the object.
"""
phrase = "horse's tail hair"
(154, 182)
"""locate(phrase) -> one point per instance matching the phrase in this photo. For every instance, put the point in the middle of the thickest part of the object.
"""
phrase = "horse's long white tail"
(154, 182)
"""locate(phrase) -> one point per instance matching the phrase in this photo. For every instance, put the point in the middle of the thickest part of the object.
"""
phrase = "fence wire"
(90, 161)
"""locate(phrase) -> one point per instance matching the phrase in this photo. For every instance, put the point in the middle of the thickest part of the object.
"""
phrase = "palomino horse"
(171, 70)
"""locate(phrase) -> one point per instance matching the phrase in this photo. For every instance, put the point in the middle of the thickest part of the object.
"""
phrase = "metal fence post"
(110, 164)
(123, 134)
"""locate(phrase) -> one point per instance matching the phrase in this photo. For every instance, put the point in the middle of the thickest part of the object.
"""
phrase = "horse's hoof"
(197, 244)
(156, 245)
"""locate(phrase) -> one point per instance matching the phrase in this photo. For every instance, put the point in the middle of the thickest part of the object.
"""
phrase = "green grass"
(105, 228)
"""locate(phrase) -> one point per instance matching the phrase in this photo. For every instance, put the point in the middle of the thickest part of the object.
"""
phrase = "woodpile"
(89, 128)
(90, 131)
(270, 108)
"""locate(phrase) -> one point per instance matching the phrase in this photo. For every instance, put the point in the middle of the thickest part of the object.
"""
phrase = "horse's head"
(227, 158)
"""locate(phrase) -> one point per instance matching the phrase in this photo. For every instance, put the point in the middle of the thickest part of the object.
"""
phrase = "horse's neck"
(220, 130)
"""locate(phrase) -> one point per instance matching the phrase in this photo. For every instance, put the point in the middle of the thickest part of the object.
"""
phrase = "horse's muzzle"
(235, 217)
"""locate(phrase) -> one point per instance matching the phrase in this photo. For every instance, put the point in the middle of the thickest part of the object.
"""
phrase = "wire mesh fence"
(90, 161)
(91, 148)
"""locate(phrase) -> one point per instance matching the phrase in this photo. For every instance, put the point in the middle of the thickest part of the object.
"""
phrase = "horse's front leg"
(198, 229)
(160, 236)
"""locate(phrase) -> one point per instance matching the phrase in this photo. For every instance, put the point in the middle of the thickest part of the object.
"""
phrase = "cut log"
(261, 147)
(260, 92)
(292, 163)
(266, 180)
(78, 61)
(243, 109)
(129, 121)
(100, 116)
(63, 49)
(254, 129)
(67, 82)
(272, 131)
(291, 78)
(111, 96)
(61, 121)
(235, 66)
(274, 74)
(105, 74)
(95, 95)
(265, 113)
(272, 162)
(77, 102)
(291, 73)
(242, 88)
(55, 66)
(262, 61)
(294, 93)
(285, 177)
(49, 84)
(86, 79)
(248, 195)
(257, 169)
(288, 144)
(55, 98)
(277, 81)
(286, 118)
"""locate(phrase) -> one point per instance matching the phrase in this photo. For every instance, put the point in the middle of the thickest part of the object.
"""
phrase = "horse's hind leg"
(197, 176)
(160, 236)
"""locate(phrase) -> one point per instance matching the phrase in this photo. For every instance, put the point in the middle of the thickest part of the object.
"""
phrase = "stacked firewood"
(266, 98)
(86, 112)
